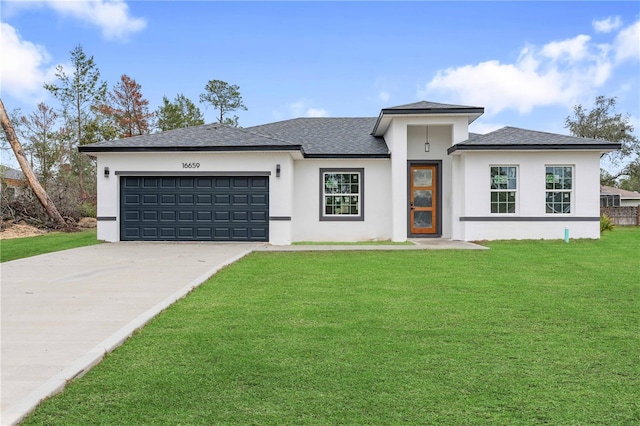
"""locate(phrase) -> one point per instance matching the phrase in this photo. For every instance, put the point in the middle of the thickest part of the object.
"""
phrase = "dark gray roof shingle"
(206, 137)
(328, 136)
(516, 138)
(427, 105)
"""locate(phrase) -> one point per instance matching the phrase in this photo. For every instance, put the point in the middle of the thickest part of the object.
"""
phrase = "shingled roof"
(339, 137)
(209, 137)
(329, 137)
(513, 138)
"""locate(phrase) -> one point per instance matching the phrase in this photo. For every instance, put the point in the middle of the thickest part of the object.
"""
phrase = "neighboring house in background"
(412, 171)
(616, 197)
(13, 181)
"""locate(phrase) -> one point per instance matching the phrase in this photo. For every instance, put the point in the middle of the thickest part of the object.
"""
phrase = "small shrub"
(606, 224)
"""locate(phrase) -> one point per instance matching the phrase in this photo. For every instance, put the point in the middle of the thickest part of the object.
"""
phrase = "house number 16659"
(190, 165)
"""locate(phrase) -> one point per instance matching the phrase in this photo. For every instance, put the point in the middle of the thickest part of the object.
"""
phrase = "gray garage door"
(199, 208)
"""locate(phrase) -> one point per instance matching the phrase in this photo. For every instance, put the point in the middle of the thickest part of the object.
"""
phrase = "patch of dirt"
(19, 230)
(87, 223)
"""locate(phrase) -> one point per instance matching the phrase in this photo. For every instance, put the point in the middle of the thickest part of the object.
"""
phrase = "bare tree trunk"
(26, 168)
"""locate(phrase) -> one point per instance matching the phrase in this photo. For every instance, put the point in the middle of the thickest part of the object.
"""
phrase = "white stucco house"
(412, 171)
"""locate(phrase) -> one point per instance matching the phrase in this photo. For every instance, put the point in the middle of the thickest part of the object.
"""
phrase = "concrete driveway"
(62, 311)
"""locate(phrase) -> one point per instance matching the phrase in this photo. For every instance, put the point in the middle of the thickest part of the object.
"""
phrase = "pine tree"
(128, 109)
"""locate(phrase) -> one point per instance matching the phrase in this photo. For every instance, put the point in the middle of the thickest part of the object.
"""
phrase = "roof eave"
(535, 147)
(365, 156)
(472, 113)
(98, 149)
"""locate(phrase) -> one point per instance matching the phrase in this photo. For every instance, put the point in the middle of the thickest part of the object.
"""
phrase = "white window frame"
(558, 183)
(324, 195)
(510, 181)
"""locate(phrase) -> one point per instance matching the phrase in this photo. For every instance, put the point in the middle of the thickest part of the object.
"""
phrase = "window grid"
(341, 193)
(559, 187)
(504, 185)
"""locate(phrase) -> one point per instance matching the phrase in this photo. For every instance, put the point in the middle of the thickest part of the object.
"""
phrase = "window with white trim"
(559, 189)
(342, 194)
(504, 186)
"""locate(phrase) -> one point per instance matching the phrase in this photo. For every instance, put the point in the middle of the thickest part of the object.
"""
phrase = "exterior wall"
(307, 225)
(530, 220)
(405, 138)
(280, 188)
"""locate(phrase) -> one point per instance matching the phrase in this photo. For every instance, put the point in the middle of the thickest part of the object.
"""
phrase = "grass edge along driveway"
(528, 332)
(19, 248)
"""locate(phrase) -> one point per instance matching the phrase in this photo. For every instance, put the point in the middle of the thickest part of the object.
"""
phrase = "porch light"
(426, 144)
(106, 172)
(277, 170)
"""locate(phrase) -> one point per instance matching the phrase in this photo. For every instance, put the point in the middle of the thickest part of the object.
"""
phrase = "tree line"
(87, 111)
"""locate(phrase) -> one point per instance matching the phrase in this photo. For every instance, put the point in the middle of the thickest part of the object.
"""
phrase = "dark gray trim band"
(354, 156)
(106, 218)
(529, 219)
(185, 173)
(533, 147)
(280, 218)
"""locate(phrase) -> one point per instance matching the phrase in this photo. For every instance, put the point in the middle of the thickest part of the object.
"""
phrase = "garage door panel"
(257, 217)
(185, 182)
(222, 182)
(168, 199)
(204, 183)
(260, 182)
(149, 216)
(203, 199)
(222, 199)
(149, 232)
(259, 199)
(185, 199)
(149, 199)
(204, 216)
(240, 199)
(167, 182)
(206, 208)
(149, 183)
(131, 216)
(167, 216)
(168, 232)
(132, 200)
(241, 216)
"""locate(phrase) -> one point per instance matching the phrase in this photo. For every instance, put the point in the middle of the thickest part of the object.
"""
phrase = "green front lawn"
(536, 332)
(18, 248)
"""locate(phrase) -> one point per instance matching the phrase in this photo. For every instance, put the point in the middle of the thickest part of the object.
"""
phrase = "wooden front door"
(423, 196)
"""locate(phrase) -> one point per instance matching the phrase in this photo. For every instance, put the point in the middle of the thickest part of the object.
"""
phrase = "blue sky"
(526, 63)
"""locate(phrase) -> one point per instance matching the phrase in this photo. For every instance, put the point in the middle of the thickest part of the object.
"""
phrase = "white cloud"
(607, 25)
(111, 16)
(558, 73)
(383, 96)
(483, 128)
(26, 72)
(302, 109)
(573, 50)
(627, 43)
(316, 112)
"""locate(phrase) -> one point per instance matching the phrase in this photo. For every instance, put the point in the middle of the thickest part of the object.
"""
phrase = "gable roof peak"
(428, 105)
(424, 108)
